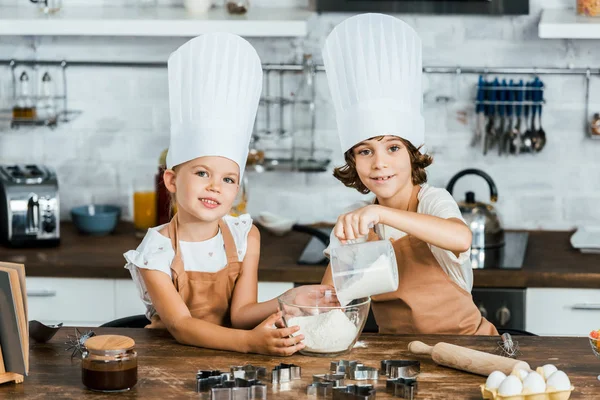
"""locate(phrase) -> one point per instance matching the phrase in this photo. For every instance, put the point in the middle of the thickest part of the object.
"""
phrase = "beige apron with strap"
(427, 300)
(206, 294)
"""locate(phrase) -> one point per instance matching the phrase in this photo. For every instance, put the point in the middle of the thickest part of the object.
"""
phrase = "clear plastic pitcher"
(363, 270)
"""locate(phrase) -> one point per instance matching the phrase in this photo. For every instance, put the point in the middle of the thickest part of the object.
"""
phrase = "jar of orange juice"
(241, 201)
(589, 8)
(144, 204)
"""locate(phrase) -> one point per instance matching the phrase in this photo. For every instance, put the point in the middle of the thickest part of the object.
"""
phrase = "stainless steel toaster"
(29, 206)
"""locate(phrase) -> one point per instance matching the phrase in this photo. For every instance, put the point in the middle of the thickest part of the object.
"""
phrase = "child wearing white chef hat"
(197, 275)
(374, 70)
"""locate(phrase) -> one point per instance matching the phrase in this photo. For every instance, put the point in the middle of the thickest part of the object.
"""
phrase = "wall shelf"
(159, 21)
(566, 24)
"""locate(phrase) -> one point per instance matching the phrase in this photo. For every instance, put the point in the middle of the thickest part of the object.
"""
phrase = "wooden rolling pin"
(465, 359)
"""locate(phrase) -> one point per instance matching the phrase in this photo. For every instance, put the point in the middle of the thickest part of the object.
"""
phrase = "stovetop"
(514, 250)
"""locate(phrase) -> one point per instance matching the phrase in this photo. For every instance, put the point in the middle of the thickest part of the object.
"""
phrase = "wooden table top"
(550, 261)
(166, 369)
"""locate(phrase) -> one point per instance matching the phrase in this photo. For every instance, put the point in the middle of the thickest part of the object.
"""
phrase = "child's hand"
(265, 339)
(356, 224)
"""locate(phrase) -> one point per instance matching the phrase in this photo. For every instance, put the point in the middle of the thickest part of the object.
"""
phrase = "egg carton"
(548, 395)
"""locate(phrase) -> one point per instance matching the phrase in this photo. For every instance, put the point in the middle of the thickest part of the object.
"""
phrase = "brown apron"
(206, 294)
(427, 300)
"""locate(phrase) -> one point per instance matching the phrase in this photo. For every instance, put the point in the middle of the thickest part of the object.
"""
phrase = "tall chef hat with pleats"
(374, 70)
(215, 81)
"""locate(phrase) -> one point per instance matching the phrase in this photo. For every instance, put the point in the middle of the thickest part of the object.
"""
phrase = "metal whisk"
(508, 347)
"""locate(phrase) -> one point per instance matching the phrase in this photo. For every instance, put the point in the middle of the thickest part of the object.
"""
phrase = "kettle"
(487, 246)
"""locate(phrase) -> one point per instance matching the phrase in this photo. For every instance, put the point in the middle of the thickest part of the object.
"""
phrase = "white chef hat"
(374, 70)
(215, 81)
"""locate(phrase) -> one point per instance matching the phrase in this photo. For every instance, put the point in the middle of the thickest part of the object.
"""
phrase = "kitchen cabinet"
(562, 312)
(83, 302)
(92, 302)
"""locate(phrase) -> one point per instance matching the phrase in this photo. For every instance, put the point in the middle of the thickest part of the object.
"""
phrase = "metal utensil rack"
(61, 113)
(280, 100)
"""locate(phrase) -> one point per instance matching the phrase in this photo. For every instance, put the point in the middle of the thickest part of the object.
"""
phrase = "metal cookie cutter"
(248, 372)
(207, 379)
(354, 370)
(354, 392)
(400, 368)
(340, 367)
(284, 373)
(405, 388)
(335, 379)
(240, 389)
(320, 389)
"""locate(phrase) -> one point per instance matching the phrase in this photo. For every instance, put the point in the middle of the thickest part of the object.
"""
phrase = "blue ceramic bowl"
(102, 222)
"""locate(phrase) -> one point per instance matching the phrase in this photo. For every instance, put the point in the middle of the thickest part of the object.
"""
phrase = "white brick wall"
(124, 125)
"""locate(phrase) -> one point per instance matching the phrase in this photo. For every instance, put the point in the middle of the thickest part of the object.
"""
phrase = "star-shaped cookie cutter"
(354, 370)
(354, 392)
(248, 372)
(394, 369)
(284, 373)
(335, 379)
(240, 389)
(405, 388)
(207, 379)
(320, 389)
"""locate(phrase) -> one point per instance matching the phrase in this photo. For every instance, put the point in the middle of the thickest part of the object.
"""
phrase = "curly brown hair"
(348, 175)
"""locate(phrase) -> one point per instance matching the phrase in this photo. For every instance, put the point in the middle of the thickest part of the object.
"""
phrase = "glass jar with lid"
(109, 363)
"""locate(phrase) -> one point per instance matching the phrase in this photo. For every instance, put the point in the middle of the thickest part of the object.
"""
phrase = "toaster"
(29, 206)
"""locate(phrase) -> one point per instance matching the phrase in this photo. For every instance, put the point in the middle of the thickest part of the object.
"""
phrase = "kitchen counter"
(167, 370)
(550, 261)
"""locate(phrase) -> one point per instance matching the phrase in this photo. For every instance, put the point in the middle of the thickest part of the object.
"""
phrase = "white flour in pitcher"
(326, 333)
(378, 278)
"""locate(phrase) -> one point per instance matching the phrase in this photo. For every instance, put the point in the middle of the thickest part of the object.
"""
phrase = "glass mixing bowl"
(328, 328)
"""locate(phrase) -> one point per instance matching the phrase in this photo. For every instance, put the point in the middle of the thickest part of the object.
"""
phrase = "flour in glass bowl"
(327, 332)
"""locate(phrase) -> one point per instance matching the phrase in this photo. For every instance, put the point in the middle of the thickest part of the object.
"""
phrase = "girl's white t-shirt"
(437, 202)
(156, 253)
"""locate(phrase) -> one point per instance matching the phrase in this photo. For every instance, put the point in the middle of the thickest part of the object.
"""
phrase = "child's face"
(206, 187)
(383, 165)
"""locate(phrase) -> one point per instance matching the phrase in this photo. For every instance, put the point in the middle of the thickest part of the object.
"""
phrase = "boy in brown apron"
(215, 82)
(373, 65)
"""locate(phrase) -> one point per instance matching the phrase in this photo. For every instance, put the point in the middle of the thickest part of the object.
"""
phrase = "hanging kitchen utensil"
(528, 135)
(508, 134)
(487, 247)
(490, 131)
(480, 115)
(540, 133)
(501, 112)
(516, 142)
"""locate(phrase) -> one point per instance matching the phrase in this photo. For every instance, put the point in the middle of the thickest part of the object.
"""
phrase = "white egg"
(558, 381)
(494, 380)
(548, 370)
(510, 386)
(521, 373)
(534, 383)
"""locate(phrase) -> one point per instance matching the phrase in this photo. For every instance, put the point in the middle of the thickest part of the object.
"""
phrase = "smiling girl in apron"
(197, 275)
(374, 68)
